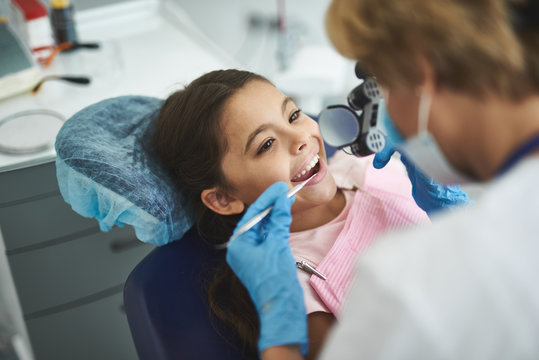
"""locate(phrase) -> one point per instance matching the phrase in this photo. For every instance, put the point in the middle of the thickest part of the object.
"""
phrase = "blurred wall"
(227, 23)
(315, 76)
(302, 63)
(88, 4)
(247, 29)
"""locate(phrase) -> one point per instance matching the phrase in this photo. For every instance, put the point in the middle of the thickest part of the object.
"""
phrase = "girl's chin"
(314, 196)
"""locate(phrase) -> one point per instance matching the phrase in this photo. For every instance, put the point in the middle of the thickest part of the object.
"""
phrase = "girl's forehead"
(257, 91)
(252, 102)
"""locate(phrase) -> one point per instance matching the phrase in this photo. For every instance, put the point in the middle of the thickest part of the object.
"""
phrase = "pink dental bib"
(382, 203)
(373, 212)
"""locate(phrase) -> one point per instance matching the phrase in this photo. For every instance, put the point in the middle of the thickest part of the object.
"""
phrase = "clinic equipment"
(358, 131)
(308, 268)
(63, 22)
(166, 304)
(43, 123)
(82, 80)
(257, 218)
(356, 128)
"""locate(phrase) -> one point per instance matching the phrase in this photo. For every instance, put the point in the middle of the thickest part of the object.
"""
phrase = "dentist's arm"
(263, 261)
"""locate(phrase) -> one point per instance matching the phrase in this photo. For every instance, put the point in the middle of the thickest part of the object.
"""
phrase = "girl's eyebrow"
(263, 127)
(253, 135)
(285, 104)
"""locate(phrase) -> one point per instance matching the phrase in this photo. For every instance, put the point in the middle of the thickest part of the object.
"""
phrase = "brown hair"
(189, 140)
(475, 46)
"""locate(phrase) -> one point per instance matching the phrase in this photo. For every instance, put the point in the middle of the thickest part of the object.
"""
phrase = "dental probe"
(308, 268)
(261, 215)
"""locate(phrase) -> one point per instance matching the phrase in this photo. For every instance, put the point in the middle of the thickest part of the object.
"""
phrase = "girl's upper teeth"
(309, 166)
(312, 164)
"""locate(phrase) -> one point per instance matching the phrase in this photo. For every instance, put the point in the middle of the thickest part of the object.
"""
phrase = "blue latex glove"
(431, 196)
(428, 194)
(382, 158)
(393, 138)
(263, 261)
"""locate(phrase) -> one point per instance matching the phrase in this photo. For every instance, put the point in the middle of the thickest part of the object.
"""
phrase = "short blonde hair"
(472, 44)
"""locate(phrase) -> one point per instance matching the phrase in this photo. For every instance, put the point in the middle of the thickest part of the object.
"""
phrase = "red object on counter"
(31, 9)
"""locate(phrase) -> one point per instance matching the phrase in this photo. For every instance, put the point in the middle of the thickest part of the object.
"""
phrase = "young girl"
(228, 136)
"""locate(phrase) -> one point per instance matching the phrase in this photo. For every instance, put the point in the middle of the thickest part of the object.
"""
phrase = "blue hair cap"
(106, 170)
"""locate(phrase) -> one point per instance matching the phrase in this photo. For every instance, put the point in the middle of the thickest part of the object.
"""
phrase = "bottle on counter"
(63, 21)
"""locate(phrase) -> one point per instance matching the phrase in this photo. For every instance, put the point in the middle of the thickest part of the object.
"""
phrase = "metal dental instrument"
(308, 268)
(261, 215)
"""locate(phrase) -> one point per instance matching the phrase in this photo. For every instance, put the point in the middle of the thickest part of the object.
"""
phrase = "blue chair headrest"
(107, 170)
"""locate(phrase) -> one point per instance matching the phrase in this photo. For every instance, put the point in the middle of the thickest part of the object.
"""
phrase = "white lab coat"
(464, 287)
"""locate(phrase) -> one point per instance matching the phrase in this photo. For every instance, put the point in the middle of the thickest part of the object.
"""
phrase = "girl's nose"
(299, 141)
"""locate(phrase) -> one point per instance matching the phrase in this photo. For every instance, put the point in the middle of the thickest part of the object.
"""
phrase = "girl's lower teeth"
(307, 173)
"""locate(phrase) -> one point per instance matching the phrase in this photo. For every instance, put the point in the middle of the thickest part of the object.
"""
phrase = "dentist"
(461, 80)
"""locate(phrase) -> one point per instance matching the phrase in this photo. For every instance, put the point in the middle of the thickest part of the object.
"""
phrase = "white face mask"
(423, 150)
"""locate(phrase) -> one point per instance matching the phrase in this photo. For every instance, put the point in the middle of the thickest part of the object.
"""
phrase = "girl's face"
(270, 140)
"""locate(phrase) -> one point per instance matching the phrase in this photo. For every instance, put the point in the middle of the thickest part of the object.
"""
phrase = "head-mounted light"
(355, 128)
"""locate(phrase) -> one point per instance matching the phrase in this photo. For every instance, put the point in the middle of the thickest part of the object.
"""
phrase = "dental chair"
(106, 170)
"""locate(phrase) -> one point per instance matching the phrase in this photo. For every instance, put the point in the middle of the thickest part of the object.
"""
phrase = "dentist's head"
(462, 76)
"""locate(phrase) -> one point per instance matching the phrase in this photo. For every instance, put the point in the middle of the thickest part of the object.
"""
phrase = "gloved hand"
(428, 194)
(431, 196)
(263, 261)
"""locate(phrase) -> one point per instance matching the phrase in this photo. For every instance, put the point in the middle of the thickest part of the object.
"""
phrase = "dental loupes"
(261, 215)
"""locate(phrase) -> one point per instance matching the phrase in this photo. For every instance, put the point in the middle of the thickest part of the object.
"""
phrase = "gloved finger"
(238, 254)
(382, 158)
(276, 225)
(280, 218)
(265, 200)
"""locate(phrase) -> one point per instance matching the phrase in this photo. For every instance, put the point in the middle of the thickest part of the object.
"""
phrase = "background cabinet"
(68, 274)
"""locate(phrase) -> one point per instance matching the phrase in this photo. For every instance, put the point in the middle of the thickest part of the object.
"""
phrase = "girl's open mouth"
(310, 169)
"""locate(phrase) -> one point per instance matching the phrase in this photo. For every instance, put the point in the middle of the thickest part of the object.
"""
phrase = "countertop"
(148, 47)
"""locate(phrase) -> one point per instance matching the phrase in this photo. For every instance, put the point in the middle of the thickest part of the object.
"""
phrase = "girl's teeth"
(312, 163)
(309, 166)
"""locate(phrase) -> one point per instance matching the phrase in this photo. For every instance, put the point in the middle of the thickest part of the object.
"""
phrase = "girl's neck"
(319, 215)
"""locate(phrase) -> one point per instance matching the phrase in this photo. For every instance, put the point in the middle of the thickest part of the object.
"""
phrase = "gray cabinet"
(68, 274)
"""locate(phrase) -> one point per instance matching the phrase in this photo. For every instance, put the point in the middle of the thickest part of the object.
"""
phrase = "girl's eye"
(265, 146)
(295, 116)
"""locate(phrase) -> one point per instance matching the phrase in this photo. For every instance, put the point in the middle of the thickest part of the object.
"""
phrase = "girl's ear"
(221, 203)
